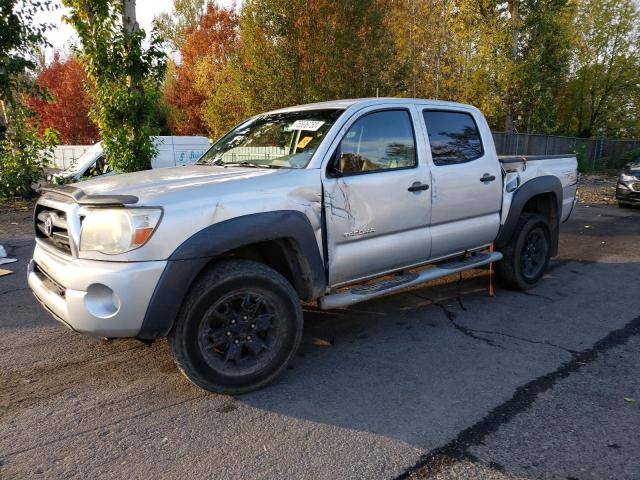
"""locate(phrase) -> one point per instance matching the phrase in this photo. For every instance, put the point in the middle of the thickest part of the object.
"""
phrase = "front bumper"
(628, 192)
(105, 299)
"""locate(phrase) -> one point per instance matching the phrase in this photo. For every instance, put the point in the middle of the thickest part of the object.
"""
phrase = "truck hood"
(153, 185)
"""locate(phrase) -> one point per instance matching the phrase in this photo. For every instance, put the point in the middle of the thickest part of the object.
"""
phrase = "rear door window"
(453, 137)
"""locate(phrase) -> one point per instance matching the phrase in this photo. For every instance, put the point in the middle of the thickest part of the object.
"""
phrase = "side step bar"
(385, 287)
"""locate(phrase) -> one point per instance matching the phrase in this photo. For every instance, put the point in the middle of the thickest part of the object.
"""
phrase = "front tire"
(526, 256)
(239, 326)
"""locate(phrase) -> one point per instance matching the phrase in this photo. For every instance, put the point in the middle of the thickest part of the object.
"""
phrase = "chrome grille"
(51, 227)
(635, 186)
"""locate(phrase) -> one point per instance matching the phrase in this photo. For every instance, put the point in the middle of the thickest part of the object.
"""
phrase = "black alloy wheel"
(534, 253)
(239, 332)
(238, 328)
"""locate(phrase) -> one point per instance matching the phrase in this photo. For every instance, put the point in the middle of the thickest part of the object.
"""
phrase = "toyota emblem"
(48, 225)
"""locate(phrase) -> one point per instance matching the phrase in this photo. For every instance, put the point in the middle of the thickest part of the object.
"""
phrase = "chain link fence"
(596, 153)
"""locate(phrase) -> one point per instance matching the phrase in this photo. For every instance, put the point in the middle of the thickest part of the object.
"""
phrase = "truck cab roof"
(372, 101)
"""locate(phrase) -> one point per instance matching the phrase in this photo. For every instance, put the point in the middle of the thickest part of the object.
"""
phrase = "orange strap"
(491, 272)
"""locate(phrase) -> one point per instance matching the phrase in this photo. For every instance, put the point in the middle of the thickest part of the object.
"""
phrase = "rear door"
(376, 196)
(466, 181)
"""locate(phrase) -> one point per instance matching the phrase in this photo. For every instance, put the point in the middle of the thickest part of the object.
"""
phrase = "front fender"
(188, 260)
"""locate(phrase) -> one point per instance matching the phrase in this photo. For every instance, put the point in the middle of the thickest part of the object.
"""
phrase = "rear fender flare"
(535, 186)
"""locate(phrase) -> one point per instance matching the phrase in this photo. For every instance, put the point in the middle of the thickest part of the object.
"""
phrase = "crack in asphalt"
(473, 332)
(558, 264)
(524, 396)
(537, 295)
(451, 316)
(14, 290)
(527, 340)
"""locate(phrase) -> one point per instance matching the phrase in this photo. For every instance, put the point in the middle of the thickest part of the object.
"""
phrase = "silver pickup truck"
(334, 203)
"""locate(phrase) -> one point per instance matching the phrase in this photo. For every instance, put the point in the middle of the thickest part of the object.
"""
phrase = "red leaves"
(68, 111)
(205, 51)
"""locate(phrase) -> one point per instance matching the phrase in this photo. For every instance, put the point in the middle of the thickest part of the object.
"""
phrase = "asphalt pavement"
(439, 382)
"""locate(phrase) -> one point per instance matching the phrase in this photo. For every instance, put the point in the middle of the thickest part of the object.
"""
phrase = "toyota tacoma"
(334, 203)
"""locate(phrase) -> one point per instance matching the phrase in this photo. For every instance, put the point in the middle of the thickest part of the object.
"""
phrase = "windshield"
(274, 140)
(89, 155)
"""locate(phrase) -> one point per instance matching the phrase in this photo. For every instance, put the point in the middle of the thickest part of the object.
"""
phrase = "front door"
(467, 182)
(377, 198)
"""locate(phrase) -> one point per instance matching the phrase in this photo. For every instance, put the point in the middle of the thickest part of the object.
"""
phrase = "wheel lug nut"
(233, 322)
(248, 337)
(253, 325)
(236, 341)
(245, 317)
(228, 334)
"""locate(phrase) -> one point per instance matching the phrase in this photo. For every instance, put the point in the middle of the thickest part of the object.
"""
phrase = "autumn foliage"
(67, 109)
(204, 57)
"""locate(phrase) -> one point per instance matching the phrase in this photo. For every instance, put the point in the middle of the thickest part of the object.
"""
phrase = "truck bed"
(561, 166)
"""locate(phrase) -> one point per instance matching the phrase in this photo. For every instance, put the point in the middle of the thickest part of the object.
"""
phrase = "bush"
(630, 156)
(24, 156)
(581, 155)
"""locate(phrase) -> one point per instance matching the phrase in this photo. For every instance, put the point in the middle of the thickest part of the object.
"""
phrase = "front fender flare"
(188, 260)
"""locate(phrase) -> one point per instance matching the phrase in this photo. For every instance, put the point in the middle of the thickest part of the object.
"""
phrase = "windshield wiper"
(242, 164)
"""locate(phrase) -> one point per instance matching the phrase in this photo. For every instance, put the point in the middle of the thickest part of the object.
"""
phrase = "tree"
(506, 58)
(549, 66)
(205, 53)
(125, 77)
(302, 51)
(541, 61)
(67, 111)
(227, 104)
(451, 50)
(20, 38)
(175, 26)
(23, 153)
(603, 90)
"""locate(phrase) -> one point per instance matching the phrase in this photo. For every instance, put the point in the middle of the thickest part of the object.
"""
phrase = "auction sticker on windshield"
(308, 125)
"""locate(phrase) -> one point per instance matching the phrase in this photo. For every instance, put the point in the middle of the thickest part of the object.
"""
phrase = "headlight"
(627, 178)
(117, 230)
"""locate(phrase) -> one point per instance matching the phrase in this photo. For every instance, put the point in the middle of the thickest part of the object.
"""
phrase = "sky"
(63, 35)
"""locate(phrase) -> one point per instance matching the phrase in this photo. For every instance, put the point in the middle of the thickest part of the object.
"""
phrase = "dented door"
(376, 197)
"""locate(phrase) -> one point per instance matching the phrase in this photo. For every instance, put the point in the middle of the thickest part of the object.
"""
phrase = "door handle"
(417, 186)
(487, 178)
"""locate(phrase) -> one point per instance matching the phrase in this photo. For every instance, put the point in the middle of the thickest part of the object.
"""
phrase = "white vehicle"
(172, 152)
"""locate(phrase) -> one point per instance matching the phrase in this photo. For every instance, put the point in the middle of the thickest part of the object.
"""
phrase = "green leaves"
(24, 154)
(304, 51)
(126, 78)
(602, 95)
(20, 37)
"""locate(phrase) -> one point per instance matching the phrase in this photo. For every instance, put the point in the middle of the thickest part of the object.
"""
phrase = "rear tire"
(526, 256)
(238, 328)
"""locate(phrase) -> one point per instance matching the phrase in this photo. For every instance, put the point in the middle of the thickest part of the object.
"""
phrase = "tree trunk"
(129, 15)
(515, 32)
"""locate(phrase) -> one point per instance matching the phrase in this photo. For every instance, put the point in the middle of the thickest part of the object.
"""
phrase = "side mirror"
(334, 169)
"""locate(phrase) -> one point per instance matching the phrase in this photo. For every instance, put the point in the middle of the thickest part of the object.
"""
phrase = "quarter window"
(378, 141)
(453, 136)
